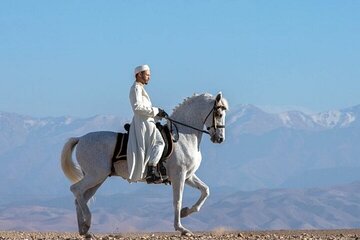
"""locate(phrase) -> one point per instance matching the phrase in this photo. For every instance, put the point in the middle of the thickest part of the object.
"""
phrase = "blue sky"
(77, 57)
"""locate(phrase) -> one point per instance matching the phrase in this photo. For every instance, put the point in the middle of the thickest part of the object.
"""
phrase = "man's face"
(144, 77)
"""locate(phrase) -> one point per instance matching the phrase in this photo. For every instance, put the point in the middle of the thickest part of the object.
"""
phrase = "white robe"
(143, 134)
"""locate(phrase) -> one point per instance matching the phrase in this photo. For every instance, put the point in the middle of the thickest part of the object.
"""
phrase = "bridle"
(214, 125)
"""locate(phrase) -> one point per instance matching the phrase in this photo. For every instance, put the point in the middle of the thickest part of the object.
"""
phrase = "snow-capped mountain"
(324, 147)
(262, 150)
(30, 150)
(250, 119)
(337, 118)
(288, 149)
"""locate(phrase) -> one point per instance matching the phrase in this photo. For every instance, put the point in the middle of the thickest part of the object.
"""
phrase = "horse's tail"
(71, 170)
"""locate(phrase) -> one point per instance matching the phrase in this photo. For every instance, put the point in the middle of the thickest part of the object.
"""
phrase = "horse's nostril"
(221, 140)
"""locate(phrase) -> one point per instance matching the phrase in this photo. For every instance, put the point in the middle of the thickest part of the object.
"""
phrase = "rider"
(145, 144)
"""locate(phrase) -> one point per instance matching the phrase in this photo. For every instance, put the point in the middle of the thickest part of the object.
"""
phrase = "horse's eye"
(218, 115)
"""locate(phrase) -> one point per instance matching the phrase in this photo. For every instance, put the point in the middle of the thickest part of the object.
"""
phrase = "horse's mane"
(191, 99)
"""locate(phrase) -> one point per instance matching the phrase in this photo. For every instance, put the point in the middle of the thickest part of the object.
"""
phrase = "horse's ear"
(218, 97)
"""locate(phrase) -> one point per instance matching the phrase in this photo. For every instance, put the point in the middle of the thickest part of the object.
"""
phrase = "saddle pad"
(120, 148)
(122, 142)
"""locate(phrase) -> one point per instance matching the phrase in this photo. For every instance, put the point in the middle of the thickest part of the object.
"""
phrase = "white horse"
(94, 152)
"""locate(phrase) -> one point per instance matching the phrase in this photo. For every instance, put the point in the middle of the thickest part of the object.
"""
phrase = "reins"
(186, 125)
(172, 122)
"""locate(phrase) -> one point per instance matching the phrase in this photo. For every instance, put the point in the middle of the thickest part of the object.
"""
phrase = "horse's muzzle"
(217, 139)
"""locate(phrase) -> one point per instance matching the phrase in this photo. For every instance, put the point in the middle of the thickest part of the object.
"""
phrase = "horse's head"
(215, 120)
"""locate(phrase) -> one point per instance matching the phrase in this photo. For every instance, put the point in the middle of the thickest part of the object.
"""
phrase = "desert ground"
(220, 234)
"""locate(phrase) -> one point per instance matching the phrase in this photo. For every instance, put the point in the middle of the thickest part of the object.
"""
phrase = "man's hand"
(162, 113)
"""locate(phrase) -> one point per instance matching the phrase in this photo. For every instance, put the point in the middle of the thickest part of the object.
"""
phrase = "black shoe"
(163, 174)
(151, 175)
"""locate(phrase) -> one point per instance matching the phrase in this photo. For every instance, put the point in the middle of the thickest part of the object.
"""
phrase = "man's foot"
(151, 176)
(163, 174)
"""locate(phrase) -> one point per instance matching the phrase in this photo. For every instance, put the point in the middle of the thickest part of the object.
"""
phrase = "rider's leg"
(155, 155)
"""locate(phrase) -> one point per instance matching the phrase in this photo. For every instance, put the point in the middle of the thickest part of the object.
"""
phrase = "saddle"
(120, 151)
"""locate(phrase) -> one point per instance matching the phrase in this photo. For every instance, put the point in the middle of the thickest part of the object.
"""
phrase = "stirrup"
(153, 179)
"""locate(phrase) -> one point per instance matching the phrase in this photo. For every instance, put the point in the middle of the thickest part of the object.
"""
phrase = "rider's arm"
(138, 105)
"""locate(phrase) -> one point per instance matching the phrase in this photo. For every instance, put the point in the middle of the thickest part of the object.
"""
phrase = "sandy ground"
(353, 234)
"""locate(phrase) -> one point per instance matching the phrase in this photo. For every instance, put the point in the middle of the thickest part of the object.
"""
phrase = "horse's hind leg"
(83, 191)
(195, 182)
(84, 226)
(83, 229)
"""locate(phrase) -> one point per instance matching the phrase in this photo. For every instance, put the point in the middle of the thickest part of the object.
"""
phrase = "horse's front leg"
(195, 182)
(178, 190)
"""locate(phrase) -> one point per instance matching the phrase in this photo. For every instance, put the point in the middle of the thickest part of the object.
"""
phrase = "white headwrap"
(141, 68)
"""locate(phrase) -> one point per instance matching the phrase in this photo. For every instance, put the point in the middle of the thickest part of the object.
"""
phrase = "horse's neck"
(192, 115)
(189, 135)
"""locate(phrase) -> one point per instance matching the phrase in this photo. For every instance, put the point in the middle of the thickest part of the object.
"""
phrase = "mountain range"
(150, 209)
(264, 154)
(288, 150)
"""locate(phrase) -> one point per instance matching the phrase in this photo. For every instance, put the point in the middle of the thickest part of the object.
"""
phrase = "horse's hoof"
(84, 230)
(184, 212)
(187, 233)
(89, 236)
